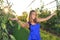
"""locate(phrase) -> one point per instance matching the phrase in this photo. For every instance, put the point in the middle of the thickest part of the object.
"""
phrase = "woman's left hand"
(53, 13)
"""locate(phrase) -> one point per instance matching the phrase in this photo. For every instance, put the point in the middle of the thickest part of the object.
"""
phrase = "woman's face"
(33, 15)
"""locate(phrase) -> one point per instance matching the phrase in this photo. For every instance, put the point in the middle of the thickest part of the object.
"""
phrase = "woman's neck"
(33, 23)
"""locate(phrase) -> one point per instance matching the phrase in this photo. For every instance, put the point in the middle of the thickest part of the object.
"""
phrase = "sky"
(22, 5)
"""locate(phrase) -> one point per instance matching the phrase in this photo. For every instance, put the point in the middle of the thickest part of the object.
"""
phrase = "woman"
(33, 24)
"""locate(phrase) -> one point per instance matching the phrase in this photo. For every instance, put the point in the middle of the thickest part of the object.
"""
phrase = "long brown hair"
(35, 20)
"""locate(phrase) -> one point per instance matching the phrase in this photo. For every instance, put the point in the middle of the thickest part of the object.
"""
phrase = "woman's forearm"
(44, 19)
(49, 17)
(23, 24)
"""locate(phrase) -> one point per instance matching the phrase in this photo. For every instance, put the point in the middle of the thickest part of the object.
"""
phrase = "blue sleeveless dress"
(34, 32)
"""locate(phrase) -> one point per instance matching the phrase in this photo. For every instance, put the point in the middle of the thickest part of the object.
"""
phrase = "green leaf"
(6, 31)
(11, 23)
(12, 37)
(3, 26)
(19, 27)
(5, 36)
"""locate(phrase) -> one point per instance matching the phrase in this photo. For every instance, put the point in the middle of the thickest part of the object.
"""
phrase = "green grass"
(23, 34)
(48, 36)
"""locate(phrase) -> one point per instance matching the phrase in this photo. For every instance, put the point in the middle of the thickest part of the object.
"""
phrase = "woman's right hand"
(13, 19)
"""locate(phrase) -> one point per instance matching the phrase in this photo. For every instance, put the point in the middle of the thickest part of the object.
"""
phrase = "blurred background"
(11, 30)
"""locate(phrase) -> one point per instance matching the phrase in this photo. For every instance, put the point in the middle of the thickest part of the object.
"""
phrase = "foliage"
(23, 17)
(6, 26)
(48, 36)
(52, 25)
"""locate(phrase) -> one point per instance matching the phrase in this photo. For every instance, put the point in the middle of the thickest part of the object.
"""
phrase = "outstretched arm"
(23, 24)
(45, 19)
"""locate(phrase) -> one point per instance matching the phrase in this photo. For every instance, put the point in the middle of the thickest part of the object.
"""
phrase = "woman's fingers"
(53, 12)
(12, 19)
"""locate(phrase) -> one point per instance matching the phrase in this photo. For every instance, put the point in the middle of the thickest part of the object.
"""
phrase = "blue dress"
(34, 32)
